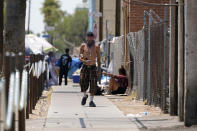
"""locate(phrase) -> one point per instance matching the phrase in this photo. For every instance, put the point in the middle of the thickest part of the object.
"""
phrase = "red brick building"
(136, 12)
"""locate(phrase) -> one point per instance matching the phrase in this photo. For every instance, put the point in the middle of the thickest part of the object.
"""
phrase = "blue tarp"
(76, 64)
(105, 78)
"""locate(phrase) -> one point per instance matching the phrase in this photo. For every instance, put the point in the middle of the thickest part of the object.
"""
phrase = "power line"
(139, 2)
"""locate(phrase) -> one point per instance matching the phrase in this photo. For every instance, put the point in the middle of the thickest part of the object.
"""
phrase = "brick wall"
(136, 13)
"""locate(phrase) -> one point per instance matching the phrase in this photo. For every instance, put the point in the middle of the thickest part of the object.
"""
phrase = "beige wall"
(109, 14)
(109, 9)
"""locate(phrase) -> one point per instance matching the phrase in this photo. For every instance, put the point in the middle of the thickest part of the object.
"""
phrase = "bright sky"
(37, 24)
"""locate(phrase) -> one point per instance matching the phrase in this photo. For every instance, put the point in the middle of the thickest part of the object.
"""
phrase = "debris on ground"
(42, 106)
(129, 105)
(145, 117)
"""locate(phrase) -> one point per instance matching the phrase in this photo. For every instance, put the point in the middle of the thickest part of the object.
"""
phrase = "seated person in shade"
(118, 83)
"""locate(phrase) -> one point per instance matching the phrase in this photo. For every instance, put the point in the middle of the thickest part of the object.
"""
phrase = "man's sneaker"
(92, 104)
(83, 102)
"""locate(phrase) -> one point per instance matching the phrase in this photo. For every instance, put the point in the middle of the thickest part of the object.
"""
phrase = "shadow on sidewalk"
(66, 92)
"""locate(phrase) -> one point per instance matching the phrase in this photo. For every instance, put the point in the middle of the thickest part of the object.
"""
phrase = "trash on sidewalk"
(157, 108)
(117, 100)
(138, 115)
(134, 115)
(144, 113)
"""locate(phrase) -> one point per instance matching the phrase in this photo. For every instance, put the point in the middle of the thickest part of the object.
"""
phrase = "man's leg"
(113, 85)
(65, 77)
(84, 99)
(91, 97)
(84, 83)
(93, 86)
(92, 104)
(60, 77)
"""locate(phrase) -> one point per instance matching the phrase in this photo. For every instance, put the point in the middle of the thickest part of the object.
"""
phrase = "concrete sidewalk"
(66, 113)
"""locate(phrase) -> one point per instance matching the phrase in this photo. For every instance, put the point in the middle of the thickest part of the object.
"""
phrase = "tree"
(73, 28)
(79, 25)
(52, 15)
(52, 12)
(69, 30)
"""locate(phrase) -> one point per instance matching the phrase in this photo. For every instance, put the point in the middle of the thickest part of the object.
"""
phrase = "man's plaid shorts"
(88, 76)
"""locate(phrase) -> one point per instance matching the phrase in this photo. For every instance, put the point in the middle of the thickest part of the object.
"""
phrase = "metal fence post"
(28, 91)
(12, 69)
(165, 56)
(32, 84)
(149, 59)
(20, 65)
(145, 58)
(7, 78)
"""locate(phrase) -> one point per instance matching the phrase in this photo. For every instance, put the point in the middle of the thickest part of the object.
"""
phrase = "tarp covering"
(76, 64)
(37, 45)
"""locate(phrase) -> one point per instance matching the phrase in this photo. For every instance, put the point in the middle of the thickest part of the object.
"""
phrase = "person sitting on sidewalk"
(118, 83)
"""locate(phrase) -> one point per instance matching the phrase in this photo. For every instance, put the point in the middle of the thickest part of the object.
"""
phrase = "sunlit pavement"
(66, 113)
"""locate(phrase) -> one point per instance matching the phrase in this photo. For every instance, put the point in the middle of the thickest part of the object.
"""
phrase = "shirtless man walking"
(89, 55)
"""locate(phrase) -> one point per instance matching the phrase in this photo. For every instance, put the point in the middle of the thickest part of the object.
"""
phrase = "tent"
(37, 45)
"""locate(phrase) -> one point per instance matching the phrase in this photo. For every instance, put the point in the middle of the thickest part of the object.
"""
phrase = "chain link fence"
(148, 59)
(137, 46)
(156, 65)
(147, 49)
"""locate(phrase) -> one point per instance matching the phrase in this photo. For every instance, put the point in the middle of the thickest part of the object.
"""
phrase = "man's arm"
(108, 74)
(81, 53)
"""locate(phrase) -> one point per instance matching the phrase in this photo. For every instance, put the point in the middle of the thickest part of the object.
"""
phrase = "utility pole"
(190, 63)
(1, 32)
(125, 35)
(1, 39)
(181, 60)
(118, 19)
(92, 11)
(107, 42)
(101, 21)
